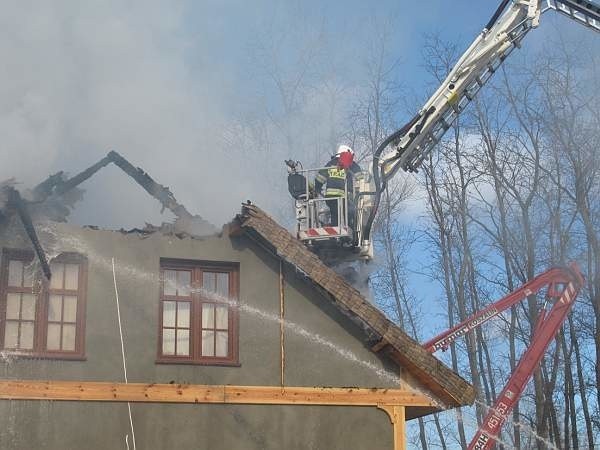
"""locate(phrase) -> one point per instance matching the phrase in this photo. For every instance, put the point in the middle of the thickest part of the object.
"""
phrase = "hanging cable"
(123, 355)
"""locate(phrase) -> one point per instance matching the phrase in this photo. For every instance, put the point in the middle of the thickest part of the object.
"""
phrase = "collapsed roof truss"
(56, 186)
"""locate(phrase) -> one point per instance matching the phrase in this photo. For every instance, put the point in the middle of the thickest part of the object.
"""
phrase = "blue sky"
(231, 27)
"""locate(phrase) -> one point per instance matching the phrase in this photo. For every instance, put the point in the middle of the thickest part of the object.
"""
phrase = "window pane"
(11, 335)
(208, 343)
(58, 270)
(222, 341)
(54, 308)
(223, 284)
(71, 276)
(53, 338)
(208, 315)
(168, 346)
(13, 302)
(183, 342)
(183, 314)
(69, 308)
(169, 314)
(194, 296)
(221, 317)
(208, 281)
(28, 275)
(184, 279)
(26, 335)
(68, 340)
(15, 273)
(170, 282)
(27, 307)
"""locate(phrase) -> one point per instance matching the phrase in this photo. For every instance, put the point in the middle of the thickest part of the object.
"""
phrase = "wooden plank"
(102, 391)
(190, 393)
(323, 396)
(379, 345)
(400, 428)
(397, 415)
(281, 320)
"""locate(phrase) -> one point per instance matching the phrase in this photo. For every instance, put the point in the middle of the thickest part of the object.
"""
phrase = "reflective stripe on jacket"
(335, 179)
(332, 192)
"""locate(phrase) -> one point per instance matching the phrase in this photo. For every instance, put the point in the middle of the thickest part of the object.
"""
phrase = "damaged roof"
(55, 196)
(384, 336)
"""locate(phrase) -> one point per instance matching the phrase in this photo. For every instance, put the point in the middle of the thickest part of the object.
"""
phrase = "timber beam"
(397, 416)
(194, 393)
(392, 401)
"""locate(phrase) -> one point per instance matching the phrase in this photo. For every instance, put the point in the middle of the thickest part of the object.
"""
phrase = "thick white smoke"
(207, 98)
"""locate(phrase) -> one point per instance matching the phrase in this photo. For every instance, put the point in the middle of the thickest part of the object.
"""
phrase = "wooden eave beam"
(379, 345)
(194, 393)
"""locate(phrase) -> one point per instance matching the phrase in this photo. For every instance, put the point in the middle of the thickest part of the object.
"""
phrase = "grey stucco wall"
(310, 361)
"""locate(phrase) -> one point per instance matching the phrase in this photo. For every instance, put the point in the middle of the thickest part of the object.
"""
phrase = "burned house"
(238, 338)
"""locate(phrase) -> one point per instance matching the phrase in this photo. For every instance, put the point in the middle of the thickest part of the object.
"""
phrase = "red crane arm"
(546, 330)
(552, 276)
(563, 286)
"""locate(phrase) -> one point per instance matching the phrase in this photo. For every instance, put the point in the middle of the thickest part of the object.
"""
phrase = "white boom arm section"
(497, 40)
(408, 147)
(583, 12)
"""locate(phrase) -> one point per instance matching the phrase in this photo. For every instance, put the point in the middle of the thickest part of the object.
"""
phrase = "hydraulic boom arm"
(503, 33)
(552, 278)
(500, 36)
(408, 147)
(563, 287)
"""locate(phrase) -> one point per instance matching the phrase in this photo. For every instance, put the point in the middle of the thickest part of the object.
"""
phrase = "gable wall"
(310, 361)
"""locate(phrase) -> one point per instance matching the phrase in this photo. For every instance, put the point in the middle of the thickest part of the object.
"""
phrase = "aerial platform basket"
(333, 242)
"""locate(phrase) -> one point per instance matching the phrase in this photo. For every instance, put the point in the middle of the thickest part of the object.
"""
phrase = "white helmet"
(343, 149)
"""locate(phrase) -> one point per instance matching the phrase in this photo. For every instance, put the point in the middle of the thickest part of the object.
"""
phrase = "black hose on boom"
(380, 184)
(492, 21)
(379, 173)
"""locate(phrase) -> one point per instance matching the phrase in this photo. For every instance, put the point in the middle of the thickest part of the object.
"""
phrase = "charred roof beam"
(56, 185)
(156, 190)
(16, 202)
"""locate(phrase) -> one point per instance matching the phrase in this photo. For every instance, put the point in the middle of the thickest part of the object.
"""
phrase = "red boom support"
(563, 286)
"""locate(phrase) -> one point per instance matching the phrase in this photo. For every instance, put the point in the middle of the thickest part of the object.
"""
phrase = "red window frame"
(41, 290)
(197, 299)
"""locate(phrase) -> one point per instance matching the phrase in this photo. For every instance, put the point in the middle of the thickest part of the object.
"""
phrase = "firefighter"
(337, 174)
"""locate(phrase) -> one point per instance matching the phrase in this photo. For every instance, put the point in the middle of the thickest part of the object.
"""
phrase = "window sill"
(15, 355)
(198, 363)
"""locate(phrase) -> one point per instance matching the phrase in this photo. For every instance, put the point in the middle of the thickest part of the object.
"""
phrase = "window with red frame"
(198, 313)
(38, 317)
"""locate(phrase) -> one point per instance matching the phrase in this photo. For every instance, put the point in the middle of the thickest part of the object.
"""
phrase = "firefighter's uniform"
(335, 180)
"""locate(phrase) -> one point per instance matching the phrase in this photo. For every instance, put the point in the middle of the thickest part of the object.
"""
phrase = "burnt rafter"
(57, 185)
(15, 202)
